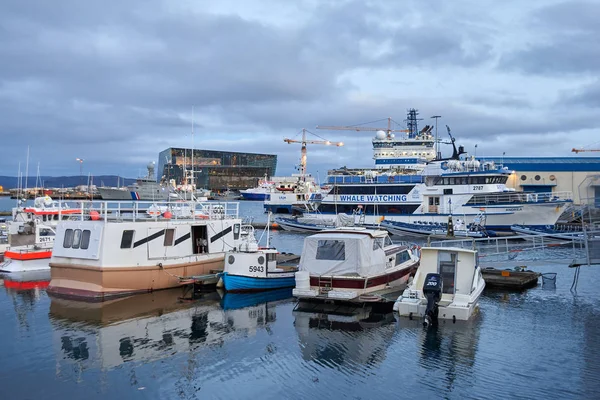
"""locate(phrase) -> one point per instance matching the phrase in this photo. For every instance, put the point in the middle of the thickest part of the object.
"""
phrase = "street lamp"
(436, 135)
(80, 170)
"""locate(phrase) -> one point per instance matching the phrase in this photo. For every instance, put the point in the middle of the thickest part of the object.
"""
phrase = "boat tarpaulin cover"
(342, 254)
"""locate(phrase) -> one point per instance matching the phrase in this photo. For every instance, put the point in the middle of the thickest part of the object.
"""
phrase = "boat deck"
(509, 279)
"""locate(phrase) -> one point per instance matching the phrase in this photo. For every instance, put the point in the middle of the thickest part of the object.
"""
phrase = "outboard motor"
(432, 290)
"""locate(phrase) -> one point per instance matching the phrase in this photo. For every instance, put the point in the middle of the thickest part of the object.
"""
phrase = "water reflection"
(349, 338)
(25, 290)
(153, 326)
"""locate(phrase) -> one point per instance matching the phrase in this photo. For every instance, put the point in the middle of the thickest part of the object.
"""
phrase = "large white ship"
(459, 187)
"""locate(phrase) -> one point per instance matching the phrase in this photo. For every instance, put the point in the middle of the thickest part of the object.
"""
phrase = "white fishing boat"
(31, 234)
(310, 224)
(254, 268)
(108, 254)
(447, 285)
(352, 264)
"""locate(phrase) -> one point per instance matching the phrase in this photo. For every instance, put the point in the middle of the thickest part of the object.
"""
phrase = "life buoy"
(307, 196)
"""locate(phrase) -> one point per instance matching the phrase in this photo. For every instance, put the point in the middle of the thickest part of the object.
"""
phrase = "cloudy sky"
(114, 82)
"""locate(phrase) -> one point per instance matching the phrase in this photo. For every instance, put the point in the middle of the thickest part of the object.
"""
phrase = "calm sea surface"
(542, 343)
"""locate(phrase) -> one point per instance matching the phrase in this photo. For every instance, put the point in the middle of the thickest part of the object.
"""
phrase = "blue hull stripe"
(254, 196)
(246, 283)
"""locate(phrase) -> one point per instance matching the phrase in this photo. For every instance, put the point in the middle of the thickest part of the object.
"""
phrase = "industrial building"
(216, 170)
(579, 175)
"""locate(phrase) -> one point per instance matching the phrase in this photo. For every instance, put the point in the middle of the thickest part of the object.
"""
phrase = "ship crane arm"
(304, 142)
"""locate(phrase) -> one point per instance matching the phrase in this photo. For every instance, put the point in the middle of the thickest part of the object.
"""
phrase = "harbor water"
(540, 343)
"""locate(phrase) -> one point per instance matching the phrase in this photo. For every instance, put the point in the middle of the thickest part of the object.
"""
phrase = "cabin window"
(401, 257)
(331, 250)
(447, 269)
(169, 233)
(68, 240)
(46, 232)
(378, 243)
(271, 256)
(76, 238)
(85, 239)
(127, 239)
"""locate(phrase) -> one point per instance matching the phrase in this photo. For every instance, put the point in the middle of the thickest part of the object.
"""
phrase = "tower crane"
(303, 151)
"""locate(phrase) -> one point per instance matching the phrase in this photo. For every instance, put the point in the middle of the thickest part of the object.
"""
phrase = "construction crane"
(357, 128)
(303, 151)
(582, 150)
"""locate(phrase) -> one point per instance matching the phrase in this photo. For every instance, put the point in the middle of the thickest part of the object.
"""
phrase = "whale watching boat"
(447, 285)
(352, 264)
(254, 268)
(112, 251)
(31, 234)
(453, 186)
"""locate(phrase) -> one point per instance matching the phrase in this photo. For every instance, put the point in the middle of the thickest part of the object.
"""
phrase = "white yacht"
(447, 285)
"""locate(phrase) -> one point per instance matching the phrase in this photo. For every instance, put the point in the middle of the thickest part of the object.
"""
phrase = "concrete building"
(579, 175)
(216, 170)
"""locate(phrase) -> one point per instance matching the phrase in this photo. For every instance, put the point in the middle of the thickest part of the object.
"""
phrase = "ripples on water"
(542, 343)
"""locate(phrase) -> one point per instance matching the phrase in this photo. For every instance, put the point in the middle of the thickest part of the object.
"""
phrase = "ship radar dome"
(380, 135)
(392, 135)
(150, 165)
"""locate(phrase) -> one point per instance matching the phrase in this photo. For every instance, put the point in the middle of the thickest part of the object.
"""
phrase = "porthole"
(231, 259)
(523, 177)
(261, 260)
(537, 177)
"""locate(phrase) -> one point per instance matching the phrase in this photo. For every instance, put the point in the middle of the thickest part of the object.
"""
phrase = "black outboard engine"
(432, 290)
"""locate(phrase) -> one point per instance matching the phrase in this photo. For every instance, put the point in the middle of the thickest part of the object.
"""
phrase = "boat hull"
(22, 262)
(355, 289)
(254, 196)
(240, 283)
(101, 283)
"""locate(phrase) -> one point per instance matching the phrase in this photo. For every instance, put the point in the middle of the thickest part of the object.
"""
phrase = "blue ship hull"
(254, 196)
(238, 283)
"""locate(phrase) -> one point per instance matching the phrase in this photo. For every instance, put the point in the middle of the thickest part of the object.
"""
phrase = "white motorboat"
(105, 255)
(447, 285)
(351, 264)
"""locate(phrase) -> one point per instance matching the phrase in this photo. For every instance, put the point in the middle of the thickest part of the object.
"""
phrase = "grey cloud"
(570, 32)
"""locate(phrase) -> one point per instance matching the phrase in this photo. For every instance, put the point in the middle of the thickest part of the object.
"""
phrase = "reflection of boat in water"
(25, 280)
(147, 327)
(445, 346)
(240, 300)
(342, 336)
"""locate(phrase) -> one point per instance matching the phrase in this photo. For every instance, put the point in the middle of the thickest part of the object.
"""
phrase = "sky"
(116, 82)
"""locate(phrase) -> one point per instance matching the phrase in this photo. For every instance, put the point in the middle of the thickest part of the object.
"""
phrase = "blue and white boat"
(260, 192)
(454, 186)
(254, 268)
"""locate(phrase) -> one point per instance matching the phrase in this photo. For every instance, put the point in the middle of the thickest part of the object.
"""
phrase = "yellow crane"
(303, 151)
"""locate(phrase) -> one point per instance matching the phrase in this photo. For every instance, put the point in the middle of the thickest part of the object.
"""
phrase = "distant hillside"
(10, 182)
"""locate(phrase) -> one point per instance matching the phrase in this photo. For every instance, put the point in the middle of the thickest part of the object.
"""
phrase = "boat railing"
(350, 179)
(569, 248)
(519, 197)
(153, 210)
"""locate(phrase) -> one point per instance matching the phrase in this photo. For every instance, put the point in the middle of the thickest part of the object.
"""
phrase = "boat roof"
(456, 249)
(375, 233)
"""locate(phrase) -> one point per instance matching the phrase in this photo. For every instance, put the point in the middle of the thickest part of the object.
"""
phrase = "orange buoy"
(168, 215)
(94, 215)
(275, 225)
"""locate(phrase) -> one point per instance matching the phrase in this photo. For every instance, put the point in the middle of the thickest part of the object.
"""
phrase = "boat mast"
(26, 172)
(192, 196)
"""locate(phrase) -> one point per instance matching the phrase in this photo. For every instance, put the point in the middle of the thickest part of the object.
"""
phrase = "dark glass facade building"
(216, 170)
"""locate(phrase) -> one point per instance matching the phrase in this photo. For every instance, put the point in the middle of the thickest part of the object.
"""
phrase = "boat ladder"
(325, 284)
